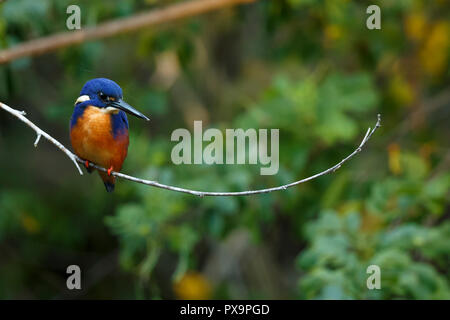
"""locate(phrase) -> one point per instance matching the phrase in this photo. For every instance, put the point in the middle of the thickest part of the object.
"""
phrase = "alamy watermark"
(374, 20)
(73, 22)
(74, 280)
(241, 147)
(374, 280)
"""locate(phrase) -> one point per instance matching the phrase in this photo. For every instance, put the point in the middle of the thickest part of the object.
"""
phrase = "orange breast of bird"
(93, 139)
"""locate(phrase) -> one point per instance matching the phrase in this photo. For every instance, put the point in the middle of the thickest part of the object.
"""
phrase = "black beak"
(122, 105)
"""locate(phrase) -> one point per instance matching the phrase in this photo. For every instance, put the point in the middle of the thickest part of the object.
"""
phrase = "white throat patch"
(109, 110)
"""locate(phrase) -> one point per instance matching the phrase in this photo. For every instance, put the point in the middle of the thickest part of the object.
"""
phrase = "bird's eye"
(103, 96)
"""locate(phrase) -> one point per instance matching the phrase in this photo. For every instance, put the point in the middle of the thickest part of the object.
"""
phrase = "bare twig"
(39, 133)
(74, 158)
(114, 27)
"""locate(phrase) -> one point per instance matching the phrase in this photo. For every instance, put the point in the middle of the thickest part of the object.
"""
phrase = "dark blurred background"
(310, 68)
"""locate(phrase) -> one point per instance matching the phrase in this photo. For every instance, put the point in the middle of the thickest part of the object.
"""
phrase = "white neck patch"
(82, 99)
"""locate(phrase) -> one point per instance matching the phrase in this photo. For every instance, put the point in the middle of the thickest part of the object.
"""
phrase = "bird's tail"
(109, 181)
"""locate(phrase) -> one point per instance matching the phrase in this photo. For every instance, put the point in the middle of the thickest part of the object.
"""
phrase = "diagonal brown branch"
(74, 158)
(108, 29)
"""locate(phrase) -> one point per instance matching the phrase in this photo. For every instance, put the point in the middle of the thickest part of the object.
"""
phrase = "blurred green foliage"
(310, 68)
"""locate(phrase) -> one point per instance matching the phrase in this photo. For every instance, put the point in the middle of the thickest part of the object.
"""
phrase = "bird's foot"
(88, 168)
(110, 170)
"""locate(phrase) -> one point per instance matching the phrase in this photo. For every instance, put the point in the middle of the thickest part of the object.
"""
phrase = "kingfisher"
(99, 127)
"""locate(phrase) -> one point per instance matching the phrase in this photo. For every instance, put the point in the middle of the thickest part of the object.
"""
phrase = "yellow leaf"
(394, 158)
(401, 91)
(333, 32)
(30, 224)
(193, 286)
(433, 55)
(371, 223)
(415, 26)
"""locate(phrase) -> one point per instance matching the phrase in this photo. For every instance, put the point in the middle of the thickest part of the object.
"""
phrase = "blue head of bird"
(105, 94)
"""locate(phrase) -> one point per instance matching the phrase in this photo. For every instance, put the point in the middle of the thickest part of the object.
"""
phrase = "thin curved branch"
(40, 133)
(75, 159)
(124, 25)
